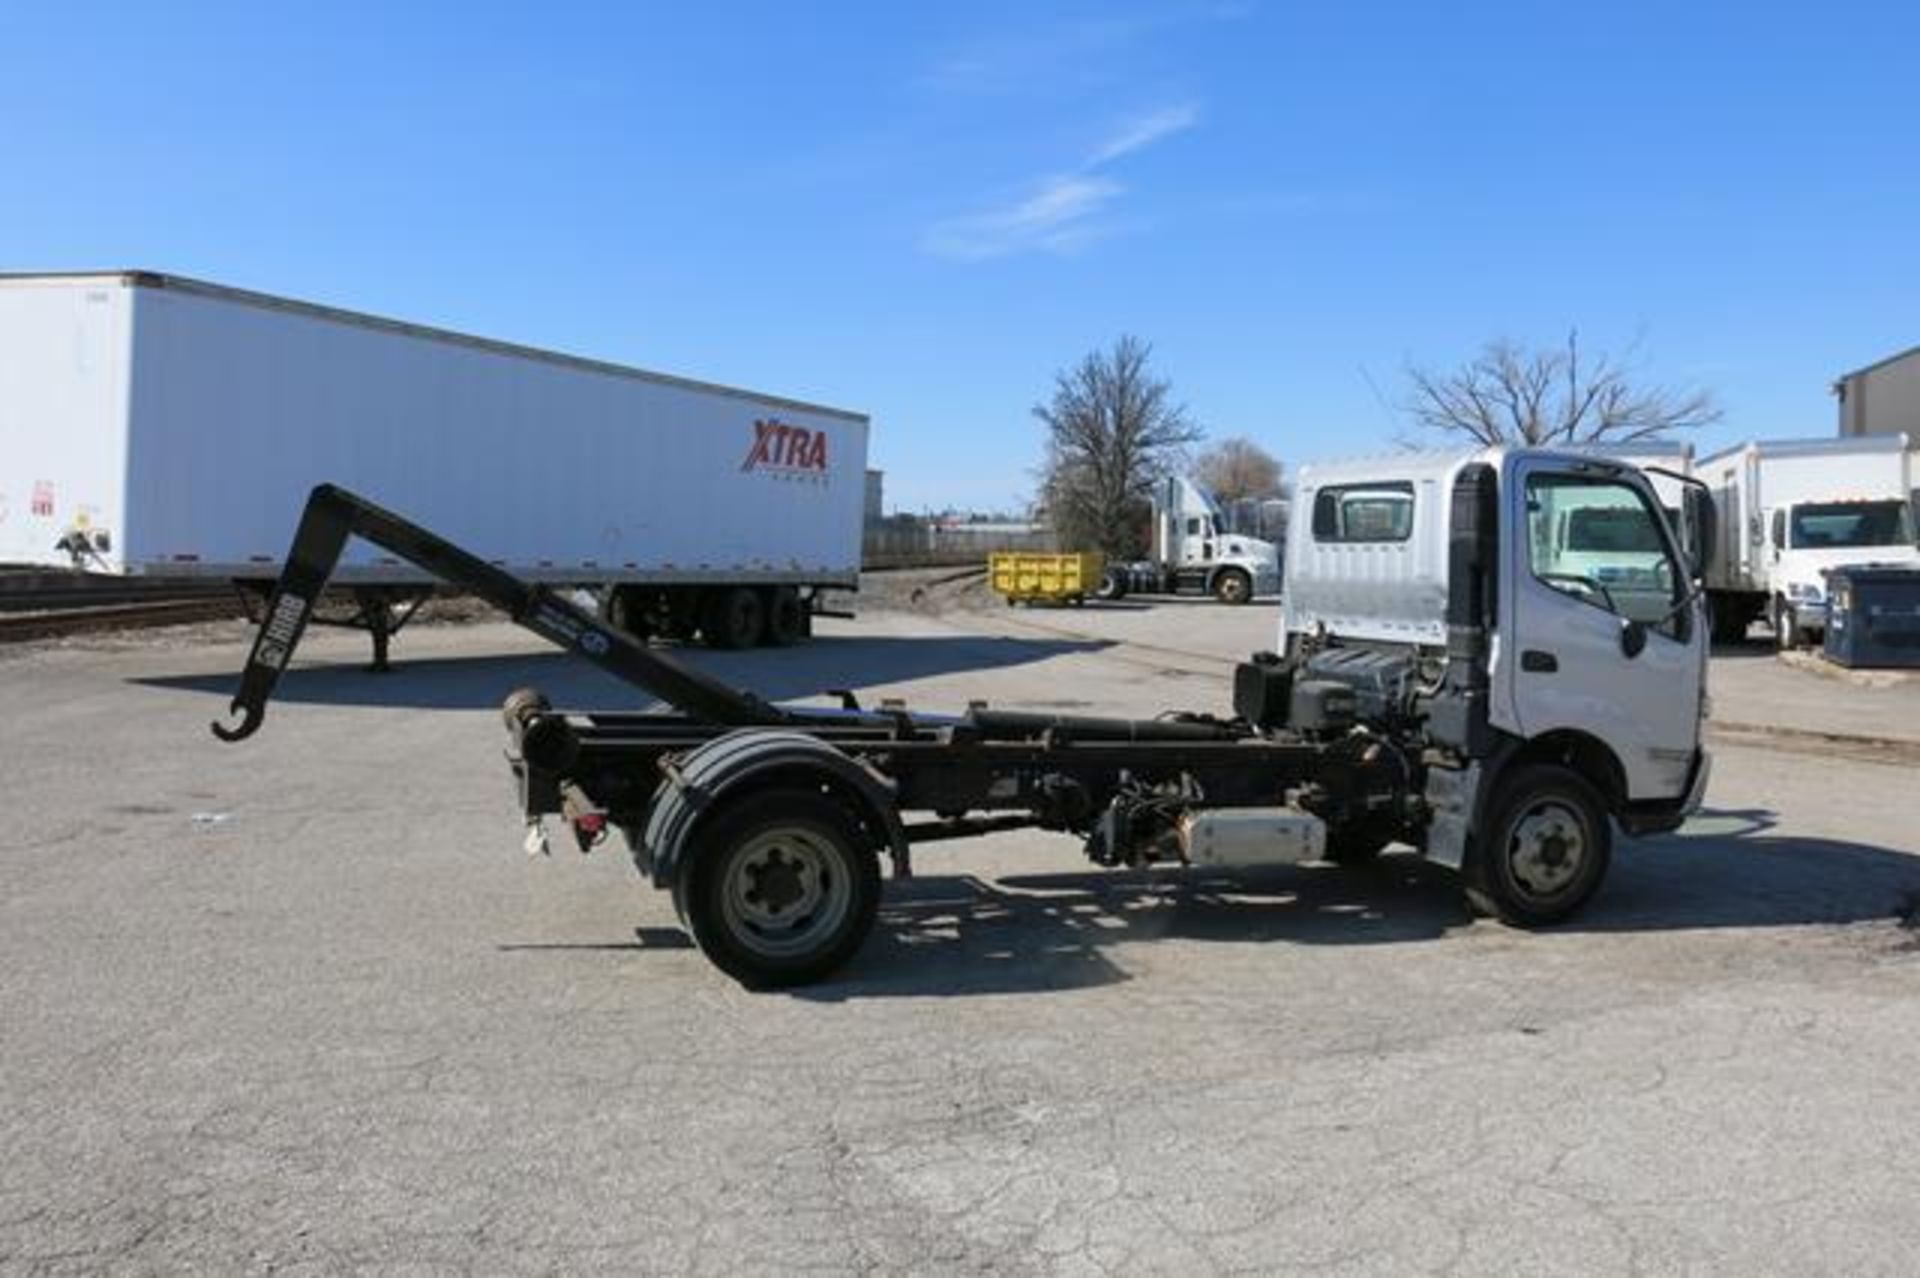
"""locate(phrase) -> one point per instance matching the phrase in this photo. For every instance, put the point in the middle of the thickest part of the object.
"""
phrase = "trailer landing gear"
(381, 611)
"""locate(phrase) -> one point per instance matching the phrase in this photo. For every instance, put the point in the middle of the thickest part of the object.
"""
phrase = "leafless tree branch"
(1507, 394)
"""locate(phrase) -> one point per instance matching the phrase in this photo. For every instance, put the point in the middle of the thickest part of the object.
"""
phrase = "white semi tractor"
(1194, 553)
(158, 426)
(1791, 510)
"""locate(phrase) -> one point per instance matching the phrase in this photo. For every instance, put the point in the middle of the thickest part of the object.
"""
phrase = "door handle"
(1534, 661)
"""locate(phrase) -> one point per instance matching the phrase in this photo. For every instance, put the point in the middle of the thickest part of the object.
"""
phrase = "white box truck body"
(1790, 511)
(177, 426)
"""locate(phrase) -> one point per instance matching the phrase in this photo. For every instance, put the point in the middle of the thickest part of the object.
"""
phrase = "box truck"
(152, 425)
(1792, 510)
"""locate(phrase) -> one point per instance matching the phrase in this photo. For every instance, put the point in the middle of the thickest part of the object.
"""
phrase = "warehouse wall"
(1883, 399)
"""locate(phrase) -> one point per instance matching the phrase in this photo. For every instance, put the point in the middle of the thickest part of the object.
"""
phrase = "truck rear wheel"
(1232, 586)
(781, 889)
(734, 618)
(1544, 848)
(1730, 618)
(1113, 585)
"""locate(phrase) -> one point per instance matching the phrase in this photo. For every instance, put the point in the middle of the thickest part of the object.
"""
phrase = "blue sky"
(922, 211)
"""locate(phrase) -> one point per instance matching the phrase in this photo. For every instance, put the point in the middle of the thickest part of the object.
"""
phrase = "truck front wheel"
(781, 889)
(1786, 633)
(1232, 587)
(1544, 847)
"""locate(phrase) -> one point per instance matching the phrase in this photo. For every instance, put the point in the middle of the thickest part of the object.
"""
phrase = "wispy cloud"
(1144, 130)
(1059, 216)
(1061, 212)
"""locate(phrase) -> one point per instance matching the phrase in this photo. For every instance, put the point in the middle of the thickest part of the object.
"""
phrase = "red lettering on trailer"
(42, 498)
(781, 447)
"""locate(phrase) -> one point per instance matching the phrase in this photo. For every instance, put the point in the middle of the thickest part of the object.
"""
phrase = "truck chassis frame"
(766, 821)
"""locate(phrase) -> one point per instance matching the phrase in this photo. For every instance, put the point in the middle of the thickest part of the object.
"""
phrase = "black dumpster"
(1873, 615)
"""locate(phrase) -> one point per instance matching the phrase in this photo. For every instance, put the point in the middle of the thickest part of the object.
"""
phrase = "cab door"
(1598, 637)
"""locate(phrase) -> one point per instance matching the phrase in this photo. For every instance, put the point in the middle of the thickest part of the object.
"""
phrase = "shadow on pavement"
(961, 935)
(471, 683)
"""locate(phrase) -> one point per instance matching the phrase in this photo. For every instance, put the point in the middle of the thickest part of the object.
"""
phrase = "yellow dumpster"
(1031, 578)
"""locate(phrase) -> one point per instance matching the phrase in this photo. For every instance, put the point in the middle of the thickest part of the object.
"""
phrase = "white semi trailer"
(1790, 511)
(158, 426)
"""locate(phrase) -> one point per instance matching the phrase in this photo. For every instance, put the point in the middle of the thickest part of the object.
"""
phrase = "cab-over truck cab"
(1526, 625)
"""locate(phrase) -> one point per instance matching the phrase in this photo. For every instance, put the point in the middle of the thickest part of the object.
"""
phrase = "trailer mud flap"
(739, 761)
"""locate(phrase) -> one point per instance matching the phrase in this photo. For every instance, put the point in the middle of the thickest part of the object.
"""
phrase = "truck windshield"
(1818, 525)
(1598, 540)
(1612, 528)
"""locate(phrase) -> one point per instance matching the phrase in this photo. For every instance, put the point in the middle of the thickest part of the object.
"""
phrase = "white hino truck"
(1194, 553)
(1452, 674)
(1790, 511)
(163, 427)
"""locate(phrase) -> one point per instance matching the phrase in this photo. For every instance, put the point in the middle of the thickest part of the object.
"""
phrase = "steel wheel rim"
(1234, 588)
(785, 890)
(1547, 849)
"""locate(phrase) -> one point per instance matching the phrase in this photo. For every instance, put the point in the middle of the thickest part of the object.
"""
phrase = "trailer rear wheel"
(1113, 585)
(1232, 586)
(781, 889)
(1544, 849)
(626, 608)
(735, 618)
(786, 617)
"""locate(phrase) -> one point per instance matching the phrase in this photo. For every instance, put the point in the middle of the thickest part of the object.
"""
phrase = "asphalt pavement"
(303, 1004)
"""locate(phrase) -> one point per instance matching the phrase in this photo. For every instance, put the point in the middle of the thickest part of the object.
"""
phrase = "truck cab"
(1807, 539)
(1509, 610)
(1194, 553)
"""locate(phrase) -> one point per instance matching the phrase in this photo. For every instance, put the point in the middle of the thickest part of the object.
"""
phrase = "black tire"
(1113, 585)
(1232, 586)
(735, 618)
(827, 884)
(1786, 635)
(1543, 849)
(625, 609)
(786, 617)
(1730, 619)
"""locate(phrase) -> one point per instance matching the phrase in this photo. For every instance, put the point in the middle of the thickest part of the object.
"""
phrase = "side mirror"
(1633, 638)
(1702, 528)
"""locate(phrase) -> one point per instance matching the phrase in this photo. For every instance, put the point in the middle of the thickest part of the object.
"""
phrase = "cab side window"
(1600, 541)
(1363, 512)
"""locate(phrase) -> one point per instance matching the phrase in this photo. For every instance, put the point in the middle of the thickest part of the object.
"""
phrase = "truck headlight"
(1803, 592)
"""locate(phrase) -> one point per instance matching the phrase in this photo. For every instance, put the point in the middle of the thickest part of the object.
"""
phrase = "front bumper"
(1808, 614)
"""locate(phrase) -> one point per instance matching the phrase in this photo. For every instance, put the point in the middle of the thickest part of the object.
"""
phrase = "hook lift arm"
(333, 514)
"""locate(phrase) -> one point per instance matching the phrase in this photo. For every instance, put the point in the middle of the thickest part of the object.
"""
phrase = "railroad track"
(16, 627)
(37, 592)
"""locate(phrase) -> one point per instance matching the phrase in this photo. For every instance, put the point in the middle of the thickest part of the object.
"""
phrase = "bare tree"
(1112, 431)
(1508, 394)
(1237, 468)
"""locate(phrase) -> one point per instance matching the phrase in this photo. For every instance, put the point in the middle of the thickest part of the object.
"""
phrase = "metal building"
(1882, 398)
